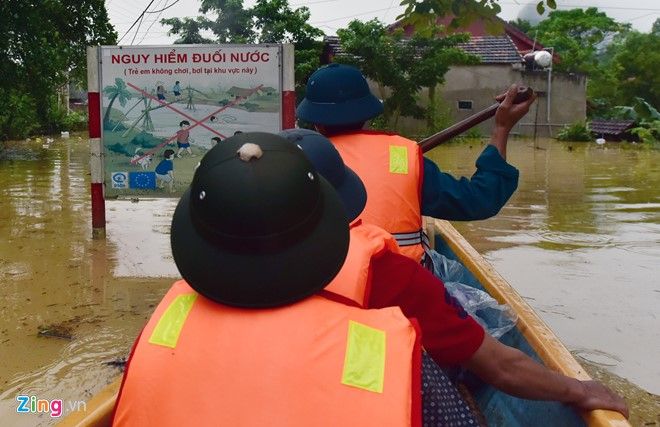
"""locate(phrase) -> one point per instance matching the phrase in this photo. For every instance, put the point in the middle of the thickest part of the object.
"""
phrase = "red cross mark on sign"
(190, 118)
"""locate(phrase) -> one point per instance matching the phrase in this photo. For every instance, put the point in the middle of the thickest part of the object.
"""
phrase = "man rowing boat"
(401, 183)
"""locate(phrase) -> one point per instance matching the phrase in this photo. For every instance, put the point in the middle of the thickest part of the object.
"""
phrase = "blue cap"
(338, 95)
(328, 163)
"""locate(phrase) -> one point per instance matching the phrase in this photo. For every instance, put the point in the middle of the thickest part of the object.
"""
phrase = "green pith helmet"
(258, 226)
(338, 95)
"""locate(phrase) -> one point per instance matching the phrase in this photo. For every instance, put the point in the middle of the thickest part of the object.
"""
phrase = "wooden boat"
(532, 336)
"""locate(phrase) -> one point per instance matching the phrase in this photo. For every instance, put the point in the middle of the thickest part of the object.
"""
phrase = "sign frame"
(100, 155)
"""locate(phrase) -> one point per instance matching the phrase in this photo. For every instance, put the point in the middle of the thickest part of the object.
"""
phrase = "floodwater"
(54, 279)
(580, 240)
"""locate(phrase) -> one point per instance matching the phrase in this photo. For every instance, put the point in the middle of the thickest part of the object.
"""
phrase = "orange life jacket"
(392, 171)
(316, 362)
(354, 280)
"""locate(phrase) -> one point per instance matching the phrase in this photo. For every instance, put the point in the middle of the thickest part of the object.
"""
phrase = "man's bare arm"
(507, 115)
(513, 372)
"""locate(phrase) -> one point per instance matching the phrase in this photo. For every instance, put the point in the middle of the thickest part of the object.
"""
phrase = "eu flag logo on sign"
(142, 180)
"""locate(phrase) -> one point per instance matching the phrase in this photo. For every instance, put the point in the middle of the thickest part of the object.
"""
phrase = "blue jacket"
(480, 197)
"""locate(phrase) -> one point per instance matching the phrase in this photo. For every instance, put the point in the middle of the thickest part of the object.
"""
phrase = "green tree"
(233, 23)
(268, 21)
(276, 22)
(576, 36)
(635, 65)
(646, 117)
(626, 70)
(116, 92)
(423, 14)
(45, 47)
(523, 25)
(401, 67)
(188, 29)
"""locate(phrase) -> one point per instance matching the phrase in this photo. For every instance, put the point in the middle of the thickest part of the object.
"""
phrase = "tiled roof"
(492, 49)
(610, 127)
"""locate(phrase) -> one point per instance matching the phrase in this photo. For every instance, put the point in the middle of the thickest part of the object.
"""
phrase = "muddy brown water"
(580, 240)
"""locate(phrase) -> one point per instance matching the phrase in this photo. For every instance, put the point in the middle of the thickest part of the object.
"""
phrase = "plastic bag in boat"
(497, 319)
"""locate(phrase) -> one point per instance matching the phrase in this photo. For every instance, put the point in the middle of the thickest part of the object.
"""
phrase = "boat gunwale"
(101, 407)
(541, 338)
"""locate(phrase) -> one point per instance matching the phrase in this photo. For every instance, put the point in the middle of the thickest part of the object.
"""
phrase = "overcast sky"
(329, 15)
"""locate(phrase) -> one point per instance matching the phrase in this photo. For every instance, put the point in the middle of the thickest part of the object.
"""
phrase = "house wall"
(481, 83)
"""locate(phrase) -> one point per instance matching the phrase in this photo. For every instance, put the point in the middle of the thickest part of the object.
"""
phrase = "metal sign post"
(95, 145)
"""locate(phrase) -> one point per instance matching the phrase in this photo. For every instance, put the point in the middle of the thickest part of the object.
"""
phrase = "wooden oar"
(524, 93)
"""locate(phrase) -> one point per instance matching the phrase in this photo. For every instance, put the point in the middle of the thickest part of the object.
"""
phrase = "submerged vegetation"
(576, 132)
(646, 117)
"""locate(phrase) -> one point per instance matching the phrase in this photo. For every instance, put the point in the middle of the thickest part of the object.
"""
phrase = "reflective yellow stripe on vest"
(364, 364)
(398, 159)
(168, 328)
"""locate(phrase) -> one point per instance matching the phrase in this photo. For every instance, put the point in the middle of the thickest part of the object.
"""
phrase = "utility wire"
(577, 6)
(388, 10)
(116, 6)
(157, 17)
(137, 29)
(643, 16)
(349, 16)
(136, 21)
(142, 21)
(313, 2)
(165, 8)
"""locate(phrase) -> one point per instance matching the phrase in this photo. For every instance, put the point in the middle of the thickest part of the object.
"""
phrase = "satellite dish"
(543, 58)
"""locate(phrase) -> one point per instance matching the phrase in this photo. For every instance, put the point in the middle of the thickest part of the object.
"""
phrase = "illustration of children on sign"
(183, 138)
(160, 92)
(165, 171)
(176, 90)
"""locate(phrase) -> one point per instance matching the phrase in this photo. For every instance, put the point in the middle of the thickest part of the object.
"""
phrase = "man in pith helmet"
(249, 337)
(401, 183)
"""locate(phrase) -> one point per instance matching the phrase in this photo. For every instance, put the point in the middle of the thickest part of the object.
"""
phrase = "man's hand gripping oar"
(510, 108)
